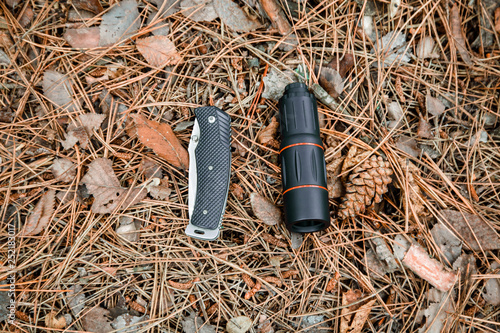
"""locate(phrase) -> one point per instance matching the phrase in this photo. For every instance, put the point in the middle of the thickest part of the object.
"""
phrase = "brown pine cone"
(365, 186)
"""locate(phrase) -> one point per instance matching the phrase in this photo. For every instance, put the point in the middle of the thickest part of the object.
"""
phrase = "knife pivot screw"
(205, 212)
(210, 168)
(195, 138)
(211, 119)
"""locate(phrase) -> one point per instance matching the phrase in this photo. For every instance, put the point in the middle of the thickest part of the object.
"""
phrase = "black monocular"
(303, 166)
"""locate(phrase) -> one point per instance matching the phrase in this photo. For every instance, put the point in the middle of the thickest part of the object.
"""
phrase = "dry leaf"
(194, 324)
(429, 269)
(237, 191)
(459, 223)
(128, 321)
(76, 299)
(456, 33)
(157, 24)
(373, 264)
(437, 312)
(103, 184)
(296, 240)
(127, 229)
(83, 38)
(360, 317)
(93, 6)
(63, 170)
(239, 324)
(424, 128)
(234, 17)
(450, 246)
(96, 321)
(392, 49)
(26, 16)
(57, 88)
(167, 7)
(408, 145)
(276, 15)
(82, 130)
(425, 48)
(162, 140)
(492, 288)
(331, 81)
(120, 22)
(434, 106)
(266, 137)
(52, 322)
(265, 209)
(40, 216)
(348, 297)
(160, 192)
(158, 51)
(384, 254)
(343, 66)
(395, 113)
(150, 169)
(199, 10)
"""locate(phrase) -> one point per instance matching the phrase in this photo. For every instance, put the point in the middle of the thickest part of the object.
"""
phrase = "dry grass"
(454, 174)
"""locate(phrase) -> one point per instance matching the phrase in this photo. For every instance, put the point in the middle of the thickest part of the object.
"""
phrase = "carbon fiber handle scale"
(213, 167)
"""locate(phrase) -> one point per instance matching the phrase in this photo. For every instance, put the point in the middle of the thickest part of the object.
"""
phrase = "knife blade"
(209, 172)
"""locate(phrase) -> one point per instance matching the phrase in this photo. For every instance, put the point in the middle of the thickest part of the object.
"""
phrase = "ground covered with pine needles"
(99, 204)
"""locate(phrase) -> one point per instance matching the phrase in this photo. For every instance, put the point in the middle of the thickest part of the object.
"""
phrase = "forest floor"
(96, 113)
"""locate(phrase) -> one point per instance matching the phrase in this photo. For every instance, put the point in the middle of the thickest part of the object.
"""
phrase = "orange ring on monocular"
(302, 144)
(303, 186)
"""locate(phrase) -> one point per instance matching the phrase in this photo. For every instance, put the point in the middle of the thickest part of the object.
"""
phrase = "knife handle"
(213, 166)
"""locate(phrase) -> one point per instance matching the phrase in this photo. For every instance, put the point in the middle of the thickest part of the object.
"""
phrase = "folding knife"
(209, 172)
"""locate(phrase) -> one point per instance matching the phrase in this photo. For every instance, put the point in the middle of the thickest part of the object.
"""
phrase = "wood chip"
(161, 138)
(429, 269)
(276, 15)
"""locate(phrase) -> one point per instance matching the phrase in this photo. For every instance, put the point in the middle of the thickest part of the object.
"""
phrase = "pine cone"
(366, 185)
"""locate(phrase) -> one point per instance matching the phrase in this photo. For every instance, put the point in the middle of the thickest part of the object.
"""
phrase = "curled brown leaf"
(161, 138)
(456, 33)
(40, 217)
(266, 137)
(265, 209)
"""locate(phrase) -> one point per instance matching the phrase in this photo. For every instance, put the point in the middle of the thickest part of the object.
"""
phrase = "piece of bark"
(472, 228)
(429, 269)
(277, 16)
